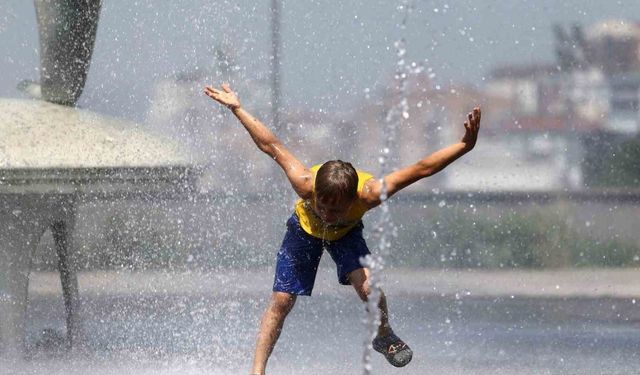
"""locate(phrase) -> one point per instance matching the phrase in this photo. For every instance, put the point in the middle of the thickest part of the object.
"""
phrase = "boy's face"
(332, 209)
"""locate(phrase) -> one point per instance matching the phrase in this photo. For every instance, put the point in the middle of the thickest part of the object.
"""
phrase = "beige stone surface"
(38, 134)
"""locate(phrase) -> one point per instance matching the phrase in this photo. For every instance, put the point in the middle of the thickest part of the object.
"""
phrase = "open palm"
(225, 96)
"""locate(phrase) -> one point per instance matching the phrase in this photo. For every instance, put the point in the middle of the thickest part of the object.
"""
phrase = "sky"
(333, 52)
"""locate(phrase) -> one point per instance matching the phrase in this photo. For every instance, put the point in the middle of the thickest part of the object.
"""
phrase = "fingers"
(473, 119)
(477, 113)
(214, 93)
(213, 90)
(224, 96)
(469, 124)
(210, 90)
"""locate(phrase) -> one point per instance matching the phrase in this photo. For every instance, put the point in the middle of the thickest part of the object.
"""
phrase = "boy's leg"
(296, 266)
(360, 280)
(270, 328)
(346, 253)
(386, 342)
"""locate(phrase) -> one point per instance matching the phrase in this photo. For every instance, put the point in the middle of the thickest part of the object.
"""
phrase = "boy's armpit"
(301, 180)
(370, 193)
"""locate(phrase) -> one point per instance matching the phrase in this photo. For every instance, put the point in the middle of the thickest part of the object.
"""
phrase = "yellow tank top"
(311, 222)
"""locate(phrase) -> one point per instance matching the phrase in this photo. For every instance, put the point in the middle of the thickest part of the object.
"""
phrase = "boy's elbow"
(266, 148)
(270, 148)
(431, 171)
(425, 170)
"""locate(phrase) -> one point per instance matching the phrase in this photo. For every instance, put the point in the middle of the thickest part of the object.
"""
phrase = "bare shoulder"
(370, 193)
(303, 184)
(305, 190)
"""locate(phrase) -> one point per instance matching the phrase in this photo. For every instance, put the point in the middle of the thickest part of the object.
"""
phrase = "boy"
(333, 199)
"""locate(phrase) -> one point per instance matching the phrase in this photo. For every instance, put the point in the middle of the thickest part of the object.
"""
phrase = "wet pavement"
(212, 330)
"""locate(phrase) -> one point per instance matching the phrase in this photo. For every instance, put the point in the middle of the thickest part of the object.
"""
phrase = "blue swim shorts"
(300, 253)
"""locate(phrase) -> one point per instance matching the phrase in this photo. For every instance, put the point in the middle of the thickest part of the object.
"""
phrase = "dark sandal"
(394, 349)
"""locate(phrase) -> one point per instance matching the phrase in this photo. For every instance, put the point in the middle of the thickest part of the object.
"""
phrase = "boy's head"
(336, 188)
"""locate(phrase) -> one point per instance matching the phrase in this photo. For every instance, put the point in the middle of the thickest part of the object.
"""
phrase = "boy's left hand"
(472, 126)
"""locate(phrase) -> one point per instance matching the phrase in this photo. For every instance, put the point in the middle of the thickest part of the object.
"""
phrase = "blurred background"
(557, 160)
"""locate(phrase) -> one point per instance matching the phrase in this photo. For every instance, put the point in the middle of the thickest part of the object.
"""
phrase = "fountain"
(54, 157)
(385, 229)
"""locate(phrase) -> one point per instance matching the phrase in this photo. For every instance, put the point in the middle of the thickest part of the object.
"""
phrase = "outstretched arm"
(299, 175)
(426, 167)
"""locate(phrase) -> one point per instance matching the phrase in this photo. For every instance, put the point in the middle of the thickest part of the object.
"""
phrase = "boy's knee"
(360, 280)
(282, 302)
(363, 290)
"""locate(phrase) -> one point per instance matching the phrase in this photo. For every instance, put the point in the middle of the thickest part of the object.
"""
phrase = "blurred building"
(537, 142)
(564, 113)
(602, 67)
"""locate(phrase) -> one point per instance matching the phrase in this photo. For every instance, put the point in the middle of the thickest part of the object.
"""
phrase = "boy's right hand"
(225, 96)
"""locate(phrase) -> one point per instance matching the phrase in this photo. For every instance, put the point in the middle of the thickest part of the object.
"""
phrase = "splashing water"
(385, 229)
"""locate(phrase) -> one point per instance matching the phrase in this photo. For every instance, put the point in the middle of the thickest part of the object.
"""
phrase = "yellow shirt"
(312, 223)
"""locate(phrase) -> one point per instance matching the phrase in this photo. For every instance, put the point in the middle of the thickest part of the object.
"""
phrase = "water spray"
(396, 115)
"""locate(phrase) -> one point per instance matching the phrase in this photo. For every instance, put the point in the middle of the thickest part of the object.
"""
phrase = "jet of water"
(385, 229)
